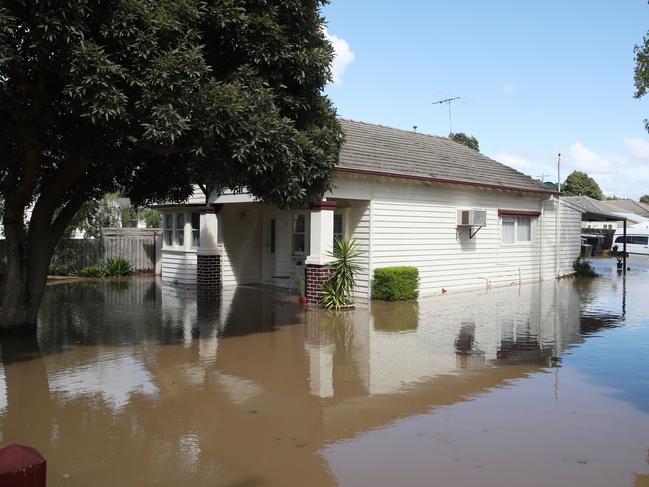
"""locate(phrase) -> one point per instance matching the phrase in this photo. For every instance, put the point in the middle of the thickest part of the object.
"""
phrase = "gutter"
(430, 179)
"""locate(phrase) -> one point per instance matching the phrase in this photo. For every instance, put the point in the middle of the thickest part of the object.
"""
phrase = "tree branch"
(155, 148)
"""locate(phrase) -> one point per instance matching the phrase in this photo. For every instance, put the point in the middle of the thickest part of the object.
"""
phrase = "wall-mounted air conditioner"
(472, 218)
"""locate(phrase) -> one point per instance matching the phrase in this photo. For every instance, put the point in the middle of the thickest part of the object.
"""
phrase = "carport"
(591, 216)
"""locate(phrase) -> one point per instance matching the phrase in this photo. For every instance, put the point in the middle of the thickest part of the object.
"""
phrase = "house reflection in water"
(247, 386)
(390, 347)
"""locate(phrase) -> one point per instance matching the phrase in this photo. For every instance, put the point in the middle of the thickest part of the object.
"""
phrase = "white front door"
(269, 250)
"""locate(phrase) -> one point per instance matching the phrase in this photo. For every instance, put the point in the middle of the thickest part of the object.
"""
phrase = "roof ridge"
(396, 128)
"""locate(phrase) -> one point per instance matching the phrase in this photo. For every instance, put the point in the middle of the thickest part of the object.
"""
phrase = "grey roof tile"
(383, 149)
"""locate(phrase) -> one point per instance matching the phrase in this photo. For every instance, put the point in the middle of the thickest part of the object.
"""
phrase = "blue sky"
(536, 78)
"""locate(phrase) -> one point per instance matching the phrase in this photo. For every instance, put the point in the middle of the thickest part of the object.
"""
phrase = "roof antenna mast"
(448, 102)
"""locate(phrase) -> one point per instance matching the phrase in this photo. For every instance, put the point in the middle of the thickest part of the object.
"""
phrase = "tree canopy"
(579, 183)
(644, 199)
(641, 71)
(146, 97)
(470, 141)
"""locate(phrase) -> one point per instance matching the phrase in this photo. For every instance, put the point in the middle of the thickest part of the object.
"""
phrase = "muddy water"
(135, 384)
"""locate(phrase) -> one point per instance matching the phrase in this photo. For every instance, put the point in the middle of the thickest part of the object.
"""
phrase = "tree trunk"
(27, 265)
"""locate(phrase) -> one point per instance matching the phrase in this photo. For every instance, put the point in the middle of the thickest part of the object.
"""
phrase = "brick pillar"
(316, 275)
(321, 243)
(208, 255)
(208, 271)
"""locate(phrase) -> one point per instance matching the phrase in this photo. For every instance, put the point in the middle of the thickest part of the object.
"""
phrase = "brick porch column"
(208, 255)
(322, 236)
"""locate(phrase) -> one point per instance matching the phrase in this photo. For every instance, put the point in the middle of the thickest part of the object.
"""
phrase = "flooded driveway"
(135, 384)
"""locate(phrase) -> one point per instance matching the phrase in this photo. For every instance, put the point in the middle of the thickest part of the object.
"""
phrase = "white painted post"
(209, 240)
(322, 233)
(208, 255)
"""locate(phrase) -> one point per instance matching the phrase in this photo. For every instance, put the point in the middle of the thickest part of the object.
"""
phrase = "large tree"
(644, 199)
(145, 97)
(469, 140)
(579, 183)
(641, 73)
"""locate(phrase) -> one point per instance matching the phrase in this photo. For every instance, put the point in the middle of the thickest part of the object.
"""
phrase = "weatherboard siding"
(179, 267)
(359, 230)
(240, 229)
(414, 224)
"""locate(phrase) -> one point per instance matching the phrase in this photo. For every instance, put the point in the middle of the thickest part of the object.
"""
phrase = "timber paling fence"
(140, 246)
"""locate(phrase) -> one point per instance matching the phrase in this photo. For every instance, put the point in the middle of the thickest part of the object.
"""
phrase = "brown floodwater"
(137, 384)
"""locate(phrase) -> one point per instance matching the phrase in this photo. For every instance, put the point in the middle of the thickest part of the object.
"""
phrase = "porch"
(236, 241)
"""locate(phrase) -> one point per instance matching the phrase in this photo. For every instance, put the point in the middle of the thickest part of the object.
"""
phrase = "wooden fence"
(140, 246)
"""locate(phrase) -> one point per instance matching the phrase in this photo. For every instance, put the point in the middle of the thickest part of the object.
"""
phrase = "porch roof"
(379, 150)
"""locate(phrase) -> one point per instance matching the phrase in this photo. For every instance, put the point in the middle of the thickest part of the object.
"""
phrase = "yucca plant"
(337, 291)
(117, 267)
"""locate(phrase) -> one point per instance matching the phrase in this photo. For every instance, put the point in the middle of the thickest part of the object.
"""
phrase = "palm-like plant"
(337, 291)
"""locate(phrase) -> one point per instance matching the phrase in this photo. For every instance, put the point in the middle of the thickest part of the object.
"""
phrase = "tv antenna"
(448, 101)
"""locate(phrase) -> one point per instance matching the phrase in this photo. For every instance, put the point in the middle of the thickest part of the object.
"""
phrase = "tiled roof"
(383, 150)
(610, 206)
(629, 206)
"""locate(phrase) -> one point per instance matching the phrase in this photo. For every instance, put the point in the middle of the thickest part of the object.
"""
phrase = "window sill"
(517, 244)
(180, 250)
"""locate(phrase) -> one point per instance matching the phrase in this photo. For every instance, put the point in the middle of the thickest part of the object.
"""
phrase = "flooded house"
(408, 199)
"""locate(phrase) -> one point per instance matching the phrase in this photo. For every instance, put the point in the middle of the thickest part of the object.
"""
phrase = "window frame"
(344, 214)
(516, 219)
(196, 231)
(294, 218)
(168, 230)
(186, 231)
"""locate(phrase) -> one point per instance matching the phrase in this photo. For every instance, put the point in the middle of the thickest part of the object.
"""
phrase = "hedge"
(395, 283)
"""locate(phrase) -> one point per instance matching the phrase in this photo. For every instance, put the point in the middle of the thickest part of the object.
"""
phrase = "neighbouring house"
(625, 209)
(463, 219)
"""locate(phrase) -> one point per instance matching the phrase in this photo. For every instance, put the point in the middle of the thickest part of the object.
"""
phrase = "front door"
(270, 247)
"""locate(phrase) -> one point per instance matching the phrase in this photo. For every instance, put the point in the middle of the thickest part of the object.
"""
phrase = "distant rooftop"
(377, 149)
(626, 208)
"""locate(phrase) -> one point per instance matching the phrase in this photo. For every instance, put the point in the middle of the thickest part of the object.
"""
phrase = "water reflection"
(246, 388)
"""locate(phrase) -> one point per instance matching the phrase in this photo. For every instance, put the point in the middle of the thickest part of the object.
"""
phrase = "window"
(180, 229)
(169, 229)
(299, 233)
(509, 229)
(196, 229)
(635, 240)
(524, 229)
(339, 227)
(516, 229)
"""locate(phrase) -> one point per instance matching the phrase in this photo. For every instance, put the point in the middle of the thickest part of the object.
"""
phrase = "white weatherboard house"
(408, 199)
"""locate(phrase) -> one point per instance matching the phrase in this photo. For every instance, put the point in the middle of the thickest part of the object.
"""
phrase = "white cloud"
(585, 159)
(343, 56)
(625, 174)
(509, 88)
(637, 147)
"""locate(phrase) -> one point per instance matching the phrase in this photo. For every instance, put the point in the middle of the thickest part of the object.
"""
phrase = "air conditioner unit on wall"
(472, 218)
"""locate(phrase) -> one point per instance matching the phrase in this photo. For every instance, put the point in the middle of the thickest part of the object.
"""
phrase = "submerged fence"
(140, 246)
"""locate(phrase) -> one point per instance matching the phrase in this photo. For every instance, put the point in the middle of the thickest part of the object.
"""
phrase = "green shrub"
(152, 218)
(65, 260)
(60, 270)
(91, 271)
(117, 267)
(395, 283)
(583, 268)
